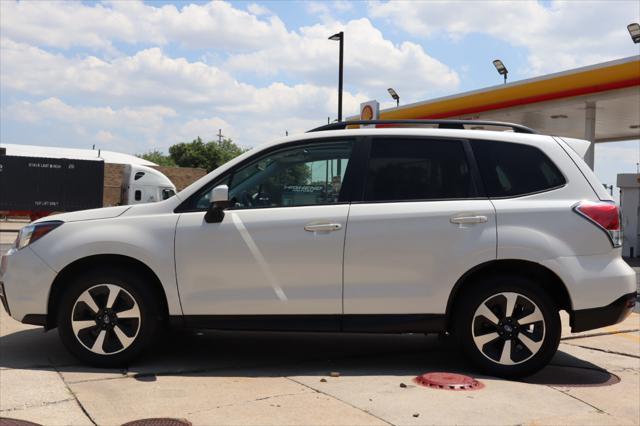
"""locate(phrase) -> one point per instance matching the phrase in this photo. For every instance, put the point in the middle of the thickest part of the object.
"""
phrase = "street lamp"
(634, 32)
(339, 37)
(394, 95)
(502, 70)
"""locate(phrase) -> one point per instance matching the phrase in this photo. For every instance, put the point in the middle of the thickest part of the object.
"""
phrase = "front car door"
(421, 224)
(279, 248)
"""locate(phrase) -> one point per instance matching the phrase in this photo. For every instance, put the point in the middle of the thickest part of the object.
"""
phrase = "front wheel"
(508, 326)
(107, 318)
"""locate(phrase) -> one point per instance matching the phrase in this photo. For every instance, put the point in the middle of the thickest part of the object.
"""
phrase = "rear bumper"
(615, 312)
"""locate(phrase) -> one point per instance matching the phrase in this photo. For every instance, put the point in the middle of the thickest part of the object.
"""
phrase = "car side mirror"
(219, 202)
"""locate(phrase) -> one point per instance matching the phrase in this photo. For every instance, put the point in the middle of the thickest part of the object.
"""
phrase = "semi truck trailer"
(39, 186)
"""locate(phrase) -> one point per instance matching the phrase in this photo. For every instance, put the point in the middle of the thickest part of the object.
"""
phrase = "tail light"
(605, 215)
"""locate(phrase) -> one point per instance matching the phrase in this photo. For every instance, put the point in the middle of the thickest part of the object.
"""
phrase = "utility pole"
(220, 136)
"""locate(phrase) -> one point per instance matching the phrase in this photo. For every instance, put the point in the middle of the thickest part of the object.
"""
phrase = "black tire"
(139, 334)
(472, 328)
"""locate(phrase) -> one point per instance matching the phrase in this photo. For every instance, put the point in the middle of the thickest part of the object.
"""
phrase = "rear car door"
(421, 223)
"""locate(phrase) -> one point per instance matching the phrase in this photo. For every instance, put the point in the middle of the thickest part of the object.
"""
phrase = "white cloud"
(67, 24)
(564, 35)
(254, 45)
(104, 137)
(342, 5)
(206, 128)
(143, 119)
(258, 9)
(152, 78)
(149, 76)
(372, 62)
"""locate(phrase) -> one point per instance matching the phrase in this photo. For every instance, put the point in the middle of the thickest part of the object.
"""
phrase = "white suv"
(482, 234)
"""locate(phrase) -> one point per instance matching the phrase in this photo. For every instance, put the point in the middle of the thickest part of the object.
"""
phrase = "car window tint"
(417, 169)
(299, 176)
(511, 169)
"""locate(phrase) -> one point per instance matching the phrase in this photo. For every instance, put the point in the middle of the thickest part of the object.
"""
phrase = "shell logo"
(366, 113)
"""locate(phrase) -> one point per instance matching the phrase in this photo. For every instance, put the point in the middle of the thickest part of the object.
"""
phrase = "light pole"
(502, 70)
(394, 95)
(339, 37)
(634, 32)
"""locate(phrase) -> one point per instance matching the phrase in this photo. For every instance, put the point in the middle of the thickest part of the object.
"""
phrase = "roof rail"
(442, 124)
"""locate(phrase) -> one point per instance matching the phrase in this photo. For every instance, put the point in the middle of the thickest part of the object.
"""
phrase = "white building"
(629, 184)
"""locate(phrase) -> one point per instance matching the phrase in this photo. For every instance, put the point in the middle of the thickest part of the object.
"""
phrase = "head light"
(34, 232)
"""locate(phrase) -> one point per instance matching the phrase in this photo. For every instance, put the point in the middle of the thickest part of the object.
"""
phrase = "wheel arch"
(545, 278)
(100, 260)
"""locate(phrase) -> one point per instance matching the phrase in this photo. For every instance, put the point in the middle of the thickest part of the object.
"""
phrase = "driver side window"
(299, 176)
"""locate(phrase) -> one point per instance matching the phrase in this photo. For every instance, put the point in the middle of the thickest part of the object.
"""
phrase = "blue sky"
(131, 76)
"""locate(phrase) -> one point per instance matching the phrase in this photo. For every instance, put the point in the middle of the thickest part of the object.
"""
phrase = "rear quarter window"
(511, 169)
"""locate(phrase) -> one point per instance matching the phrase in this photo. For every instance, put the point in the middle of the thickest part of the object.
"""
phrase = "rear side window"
(417, 169)
(510, 169)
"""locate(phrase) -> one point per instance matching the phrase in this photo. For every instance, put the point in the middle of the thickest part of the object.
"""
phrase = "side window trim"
(184, 207)
(476, 177)
(357, 172)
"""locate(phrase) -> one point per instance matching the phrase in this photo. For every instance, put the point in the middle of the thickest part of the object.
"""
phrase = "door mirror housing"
(220, 194)
(219, 202)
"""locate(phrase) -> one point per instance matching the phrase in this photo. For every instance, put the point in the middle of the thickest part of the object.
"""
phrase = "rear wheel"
(107, 318)
(508, 326)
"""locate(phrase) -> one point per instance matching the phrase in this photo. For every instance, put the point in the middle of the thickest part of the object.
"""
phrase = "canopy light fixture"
(634, 31)
(394, 95)
(502, 70)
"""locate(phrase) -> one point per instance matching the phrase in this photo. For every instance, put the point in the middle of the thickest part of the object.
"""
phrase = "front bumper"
(26, 281)
(617, 311)
(3, 299)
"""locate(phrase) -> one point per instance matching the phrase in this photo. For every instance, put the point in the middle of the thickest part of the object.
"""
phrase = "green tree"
(209, 155)
(158, 157)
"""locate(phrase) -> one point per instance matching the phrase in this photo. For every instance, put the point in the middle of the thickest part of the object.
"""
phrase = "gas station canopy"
(600, 103)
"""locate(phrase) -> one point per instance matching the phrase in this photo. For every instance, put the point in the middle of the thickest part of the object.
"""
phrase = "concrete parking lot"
(286, 378)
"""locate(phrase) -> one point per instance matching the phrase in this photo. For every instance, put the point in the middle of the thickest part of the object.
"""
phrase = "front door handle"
(463, 220)
(323, 227)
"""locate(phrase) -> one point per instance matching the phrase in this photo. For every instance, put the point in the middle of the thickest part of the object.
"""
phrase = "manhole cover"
(159, 422)
(15, 422)
(448, 381)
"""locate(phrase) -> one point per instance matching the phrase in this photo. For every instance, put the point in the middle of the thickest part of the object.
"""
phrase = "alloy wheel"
(106, 319)
(508, 328)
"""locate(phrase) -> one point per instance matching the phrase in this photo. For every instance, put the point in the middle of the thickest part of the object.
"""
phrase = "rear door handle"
(468, 219)
(323, 227)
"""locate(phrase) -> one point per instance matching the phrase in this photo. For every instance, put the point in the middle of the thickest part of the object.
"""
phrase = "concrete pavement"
(284, 378)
